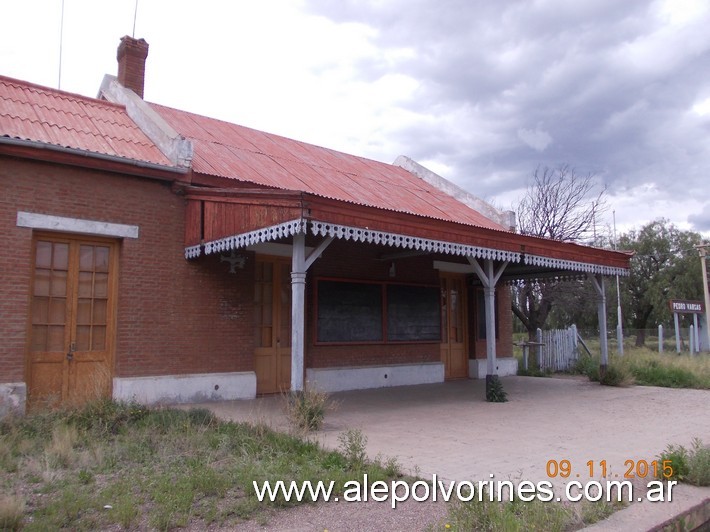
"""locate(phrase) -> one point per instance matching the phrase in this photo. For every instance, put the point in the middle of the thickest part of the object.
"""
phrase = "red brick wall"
(177, 316)
(174, 316)
(357, 261)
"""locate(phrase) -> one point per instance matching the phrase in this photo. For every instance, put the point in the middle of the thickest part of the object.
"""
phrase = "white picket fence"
(560, 350)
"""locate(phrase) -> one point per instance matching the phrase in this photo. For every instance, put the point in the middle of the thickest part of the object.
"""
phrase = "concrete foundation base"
(360, 378)
(13, 398)
(193, 388)
(506, 366)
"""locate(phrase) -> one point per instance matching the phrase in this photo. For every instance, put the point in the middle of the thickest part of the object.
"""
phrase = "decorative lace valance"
(410, 242)
(267, 234)
(356, 234)
(562, 264)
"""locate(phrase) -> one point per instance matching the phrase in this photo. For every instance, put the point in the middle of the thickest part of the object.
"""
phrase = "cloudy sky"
(481, 92)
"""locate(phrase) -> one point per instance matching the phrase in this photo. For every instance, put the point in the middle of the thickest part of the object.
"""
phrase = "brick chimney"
(131, 57)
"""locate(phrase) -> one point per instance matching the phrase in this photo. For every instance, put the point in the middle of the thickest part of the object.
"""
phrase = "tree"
(665, 266)
(562, 205)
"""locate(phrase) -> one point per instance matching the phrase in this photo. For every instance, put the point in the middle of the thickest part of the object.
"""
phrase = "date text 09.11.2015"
(599, 468)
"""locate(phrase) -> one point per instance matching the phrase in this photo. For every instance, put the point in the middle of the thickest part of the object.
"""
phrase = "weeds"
(306, 409)
(352, 445)
(643, 367)
(512, 516)
(688, 465)
(616, 375)
(122, 465)
(12, 509)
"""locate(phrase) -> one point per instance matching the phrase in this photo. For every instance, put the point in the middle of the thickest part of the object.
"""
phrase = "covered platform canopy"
(221, 220)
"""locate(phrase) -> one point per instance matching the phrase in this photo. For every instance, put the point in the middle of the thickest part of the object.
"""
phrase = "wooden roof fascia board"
(323, 209)
(218, 181)
(222, 220)
(245, 194)
(250, 201)
(50, 153)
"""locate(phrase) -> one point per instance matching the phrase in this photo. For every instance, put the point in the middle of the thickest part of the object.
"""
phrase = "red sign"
(687, 306)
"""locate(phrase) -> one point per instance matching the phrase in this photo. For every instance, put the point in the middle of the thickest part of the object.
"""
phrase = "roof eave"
(43, 151)
(536, 252)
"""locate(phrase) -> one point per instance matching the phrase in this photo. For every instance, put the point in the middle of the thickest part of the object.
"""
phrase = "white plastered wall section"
(13, 398)
(505, 366)
(191, 388)
(339, 379)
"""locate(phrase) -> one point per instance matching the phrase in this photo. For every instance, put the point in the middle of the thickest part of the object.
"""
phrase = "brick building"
(149, 253)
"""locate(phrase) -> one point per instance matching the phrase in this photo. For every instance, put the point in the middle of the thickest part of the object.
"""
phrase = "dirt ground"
(450, 430)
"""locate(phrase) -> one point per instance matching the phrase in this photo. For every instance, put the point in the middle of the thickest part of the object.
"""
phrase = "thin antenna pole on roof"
(61, 41)
(135, 16)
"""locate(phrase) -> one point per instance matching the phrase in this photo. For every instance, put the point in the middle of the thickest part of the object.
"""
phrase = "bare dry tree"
(562, 205)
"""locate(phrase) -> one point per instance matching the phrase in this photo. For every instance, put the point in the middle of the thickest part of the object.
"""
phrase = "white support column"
(299, 266)
(676, 324)
(598, 282)
(489, 294)
(489, 278)
(298, 305)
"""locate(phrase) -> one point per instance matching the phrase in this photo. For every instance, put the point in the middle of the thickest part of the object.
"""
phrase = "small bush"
(494, 390)
(616, 375)
(699, 464)
(677, 456)
(305, 410)
(352, 444)
(587, 365)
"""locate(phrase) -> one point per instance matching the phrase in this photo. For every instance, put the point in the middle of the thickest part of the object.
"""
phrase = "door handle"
(70, 354)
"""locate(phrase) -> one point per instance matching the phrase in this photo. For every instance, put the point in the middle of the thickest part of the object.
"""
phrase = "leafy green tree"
(665, 266)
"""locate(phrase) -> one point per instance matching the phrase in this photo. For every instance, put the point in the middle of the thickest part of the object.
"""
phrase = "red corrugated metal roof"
(244, 154)
(41, 114)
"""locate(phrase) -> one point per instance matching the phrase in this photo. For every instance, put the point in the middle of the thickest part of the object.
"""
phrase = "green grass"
(645, 367)
(113, 464)
(517, 516)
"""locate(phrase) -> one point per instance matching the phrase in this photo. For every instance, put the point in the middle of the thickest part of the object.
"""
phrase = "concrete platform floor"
(450, 430)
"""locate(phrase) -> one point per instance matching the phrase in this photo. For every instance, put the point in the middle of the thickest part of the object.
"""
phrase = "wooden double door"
(272, 306)
(454, 352)
(72, 319)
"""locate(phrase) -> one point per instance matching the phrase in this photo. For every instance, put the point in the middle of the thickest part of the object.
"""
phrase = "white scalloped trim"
(410, 242)
(192, 252)
(356, 234)
(536, 260)
(267, 234)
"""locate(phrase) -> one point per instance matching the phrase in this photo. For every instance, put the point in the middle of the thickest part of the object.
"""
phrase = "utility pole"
(703, 250)
(619, 326)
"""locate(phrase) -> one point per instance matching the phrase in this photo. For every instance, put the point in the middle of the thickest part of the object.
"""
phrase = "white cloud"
(483, 92)
(537, 138)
